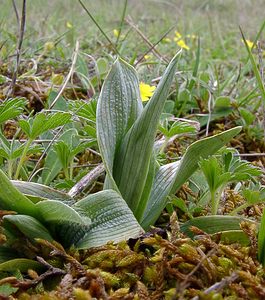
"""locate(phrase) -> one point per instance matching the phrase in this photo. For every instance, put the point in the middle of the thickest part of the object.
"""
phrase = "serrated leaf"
(25, 126)
(11, 108)
(119, 105)
(53, 165)
(133, 158)
(42, 123)
(29, 226)
(111, 218)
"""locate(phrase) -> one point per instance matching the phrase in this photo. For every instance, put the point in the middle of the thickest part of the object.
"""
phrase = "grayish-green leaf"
(133, 158)
(111, 218)
(12, 199)
(40, 190)
(63, 221)
(29, 226)
(119, 105)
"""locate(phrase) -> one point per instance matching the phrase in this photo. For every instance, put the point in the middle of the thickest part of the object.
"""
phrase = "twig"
(68, 77)
(26, 284)
(19, 46)
(98, 26)
(156, 52)
(16, 12)
(122, 22)
(219, 285)
(154, 45)
(87, 180)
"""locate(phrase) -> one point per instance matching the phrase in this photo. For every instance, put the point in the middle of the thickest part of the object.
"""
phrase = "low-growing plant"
(135, 189)
(220, 173)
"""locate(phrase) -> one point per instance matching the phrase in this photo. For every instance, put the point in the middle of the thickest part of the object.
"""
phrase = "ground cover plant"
(132, 159)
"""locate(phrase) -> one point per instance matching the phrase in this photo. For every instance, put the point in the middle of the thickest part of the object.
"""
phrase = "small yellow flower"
(69, 25)
(249, 43)
(166, 40)
(182, 44)
(146, 91)
(178, 35)
(147, 56)
(116, 32)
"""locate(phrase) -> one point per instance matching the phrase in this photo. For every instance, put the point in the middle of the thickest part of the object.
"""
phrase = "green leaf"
(171, 177)
(12, 199)
(63, 221)
(11, 108)
(198, 150)
(213, 224)
(119, 105)
(111, 218)
(22, 264)
(261, 240)
(29, 226)
(255, 68)
(41, 123)
(7, 253)
(30, 189)
(133, 158)
(7, 290)
(52, 165)
(161, 187)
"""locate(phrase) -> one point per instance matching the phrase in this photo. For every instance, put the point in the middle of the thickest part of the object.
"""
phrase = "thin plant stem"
(23, 158)
(19, 46)
(99, 27)
(122, 22)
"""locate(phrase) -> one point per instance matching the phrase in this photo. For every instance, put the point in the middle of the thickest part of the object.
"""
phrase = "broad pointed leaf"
(63, 221)
(119, 105)
(171, 177)
(12, 199)
(133, 158)
(215, 224)
(111, 218)
(201, 149)
(161, 188)
(30, 189)
(29, 226)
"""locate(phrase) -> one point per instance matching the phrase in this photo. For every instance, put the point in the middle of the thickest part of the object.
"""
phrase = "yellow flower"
(166, 40)
(69, 25)
(147, 56)
(178, 35)
(249, 43)
(182, 44)
(146, 91)
(116, 32)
